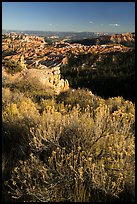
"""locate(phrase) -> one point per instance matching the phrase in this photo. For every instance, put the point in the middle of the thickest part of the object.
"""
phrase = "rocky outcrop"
(48, 78)
(65, 60)
(21, 61)
(124, 37)
(106, 39)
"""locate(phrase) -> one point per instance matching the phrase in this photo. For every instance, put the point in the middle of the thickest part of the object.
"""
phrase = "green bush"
(8, 53)
(12, 67)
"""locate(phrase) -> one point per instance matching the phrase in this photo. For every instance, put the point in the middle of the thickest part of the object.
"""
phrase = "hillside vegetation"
(107, 74)
(73, 147)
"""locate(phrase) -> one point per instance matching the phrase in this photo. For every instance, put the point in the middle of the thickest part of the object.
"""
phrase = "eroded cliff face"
(48, 78)
(125, 37)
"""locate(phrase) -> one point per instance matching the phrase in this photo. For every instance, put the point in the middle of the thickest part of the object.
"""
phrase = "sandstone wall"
(45, 78)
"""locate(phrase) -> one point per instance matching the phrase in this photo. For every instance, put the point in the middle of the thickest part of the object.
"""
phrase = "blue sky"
(69, 16)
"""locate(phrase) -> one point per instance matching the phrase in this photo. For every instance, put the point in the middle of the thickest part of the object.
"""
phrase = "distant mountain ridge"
(62, 34)
(124, 38)
(52, 33)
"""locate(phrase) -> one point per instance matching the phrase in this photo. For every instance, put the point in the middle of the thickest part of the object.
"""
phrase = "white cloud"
(90, 21)
(50, 24)
(115, 25)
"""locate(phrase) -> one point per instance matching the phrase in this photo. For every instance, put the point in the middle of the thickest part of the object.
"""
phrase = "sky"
(69, 16)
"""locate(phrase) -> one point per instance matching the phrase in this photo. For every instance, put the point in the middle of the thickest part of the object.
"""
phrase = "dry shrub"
(77, 151)
(91, 157)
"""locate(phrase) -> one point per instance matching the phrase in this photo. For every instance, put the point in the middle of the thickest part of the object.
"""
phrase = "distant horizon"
(18, 30)
(113, 17)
